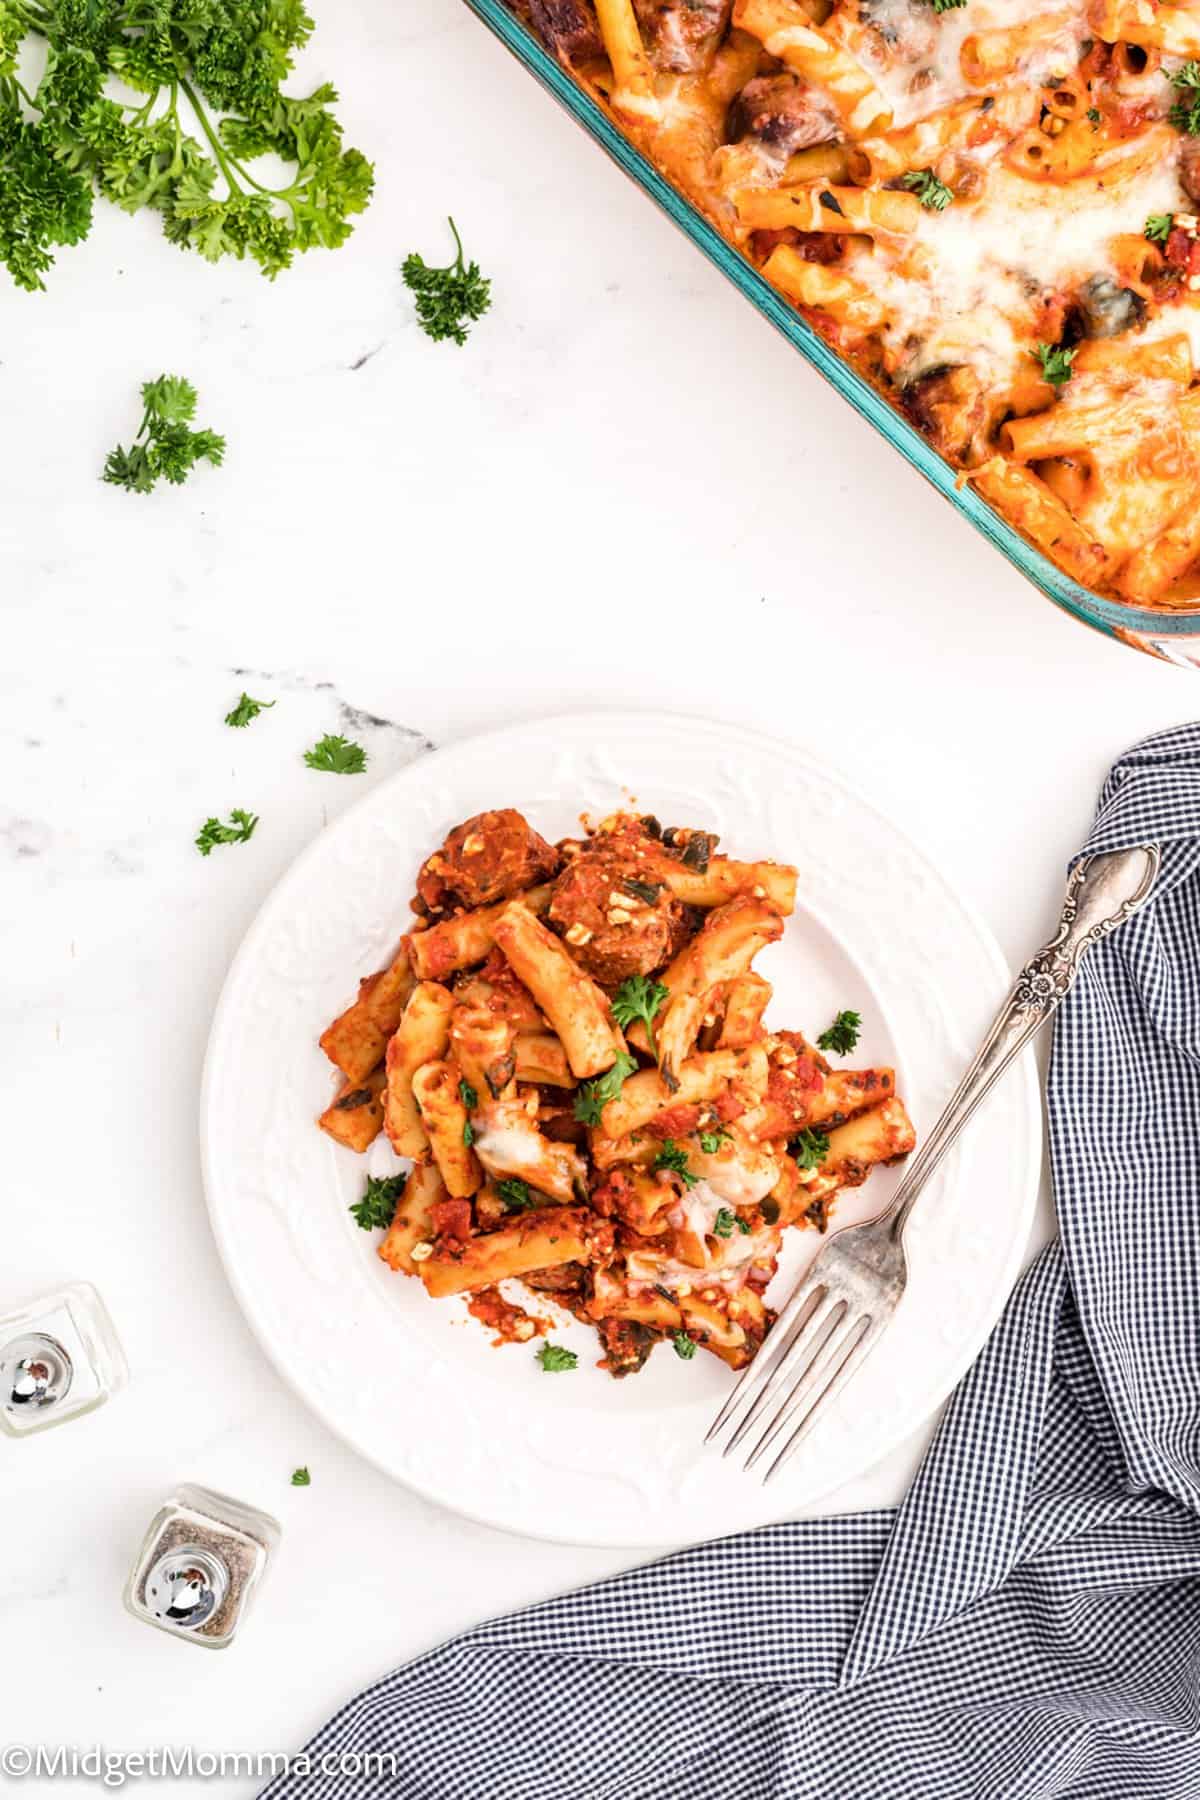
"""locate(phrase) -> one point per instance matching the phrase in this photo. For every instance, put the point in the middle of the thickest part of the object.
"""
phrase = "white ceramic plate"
(416, 1385)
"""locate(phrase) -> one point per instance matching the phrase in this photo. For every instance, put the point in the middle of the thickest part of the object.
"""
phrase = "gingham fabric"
(1027, 1624)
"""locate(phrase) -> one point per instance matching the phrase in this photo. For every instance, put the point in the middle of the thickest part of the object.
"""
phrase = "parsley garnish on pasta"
(516, 1195)
(933, 194)
(1056, 360)
(1185, 113)
(726, 1221)
(810, 1148)
(672, 1157)
(593, 1096)
(640, 998)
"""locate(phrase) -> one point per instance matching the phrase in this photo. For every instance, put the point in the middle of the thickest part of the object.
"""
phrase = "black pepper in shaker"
(199, 1565)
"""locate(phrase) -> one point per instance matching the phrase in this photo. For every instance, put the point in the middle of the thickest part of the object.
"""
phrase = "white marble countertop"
(625, 490)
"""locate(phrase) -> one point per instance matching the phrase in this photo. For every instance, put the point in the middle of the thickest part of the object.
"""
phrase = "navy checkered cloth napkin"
(1027, 1624)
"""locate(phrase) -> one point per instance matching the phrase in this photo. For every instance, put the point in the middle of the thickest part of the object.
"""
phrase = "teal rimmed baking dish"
(1170, 633)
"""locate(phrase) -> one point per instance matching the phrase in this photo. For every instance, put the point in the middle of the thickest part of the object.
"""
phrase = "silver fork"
(841, 1307)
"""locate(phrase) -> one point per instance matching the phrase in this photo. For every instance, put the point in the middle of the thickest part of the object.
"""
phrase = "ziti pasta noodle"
(977, 206)
(582, 1092)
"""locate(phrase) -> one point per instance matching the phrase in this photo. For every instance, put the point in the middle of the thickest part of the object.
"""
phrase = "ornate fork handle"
(1102, 893)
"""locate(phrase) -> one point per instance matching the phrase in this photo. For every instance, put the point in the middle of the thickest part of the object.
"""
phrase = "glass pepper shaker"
(60, 1357)
(199, 1565)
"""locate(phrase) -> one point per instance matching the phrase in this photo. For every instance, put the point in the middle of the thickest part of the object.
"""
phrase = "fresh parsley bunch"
(208, 74)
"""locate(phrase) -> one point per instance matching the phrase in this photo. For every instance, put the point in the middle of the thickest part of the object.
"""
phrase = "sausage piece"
(682, 33)
(484, 859)
(568, 27)
(1189, 168)
(616, 918)
(953, 408)
(784, 112)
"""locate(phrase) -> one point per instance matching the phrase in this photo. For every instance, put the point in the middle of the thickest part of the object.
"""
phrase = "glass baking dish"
(1170, 633)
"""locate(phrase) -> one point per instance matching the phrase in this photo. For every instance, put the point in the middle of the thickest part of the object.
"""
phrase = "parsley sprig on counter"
(245, 710)
(933, 194)
(449, 300)
(1056, 362)
(165, 447)
(207, 78)
(639, 997)
(336, 756)
(239, 830)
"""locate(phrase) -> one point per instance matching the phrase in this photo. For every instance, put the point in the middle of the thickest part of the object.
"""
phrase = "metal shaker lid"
(185, 1586)
(35, 1371)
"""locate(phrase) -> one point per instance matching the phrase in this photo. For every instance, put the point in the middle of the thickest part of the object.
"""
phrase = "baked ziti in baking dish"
(988, 209)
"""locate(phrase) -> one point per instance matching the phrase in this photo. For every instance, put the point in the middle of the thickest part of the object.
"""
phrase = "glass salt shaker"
(60, 1357)
(199, 1565)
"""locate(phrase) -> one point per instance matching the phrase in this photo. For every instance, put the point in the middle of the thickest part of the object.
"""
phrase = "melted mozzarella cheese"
(697, 1210)
(986, 265)
(742, 1178)
(916, 88)
(508, 1145)
(729, 1181)
(727, 1271)
(1185, 318)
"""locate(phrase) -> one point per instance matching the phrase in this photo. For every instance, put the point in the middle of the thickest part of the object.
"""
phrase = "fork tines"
(817, 1342)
